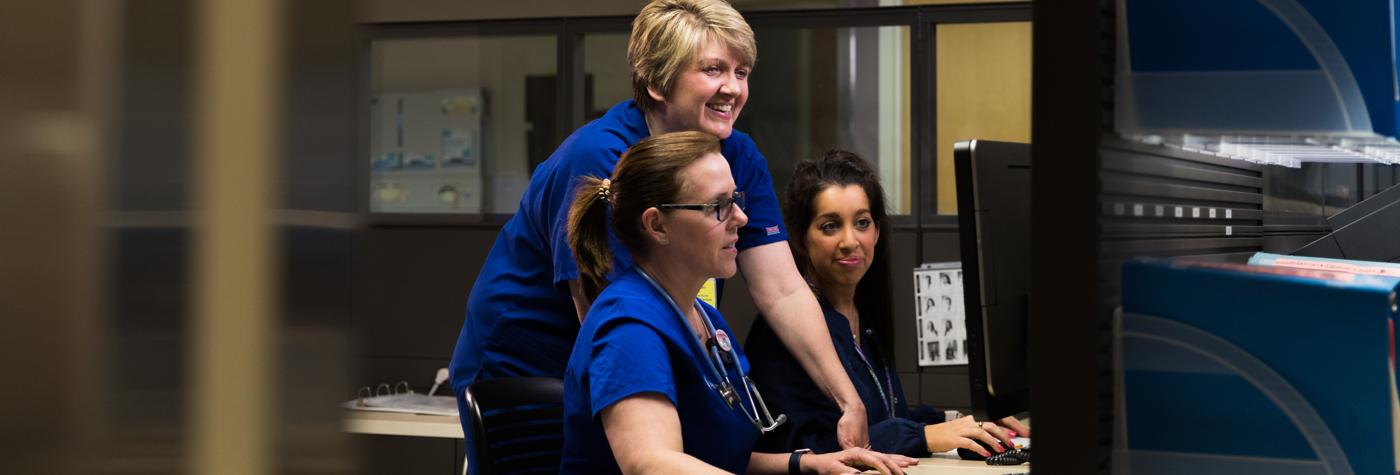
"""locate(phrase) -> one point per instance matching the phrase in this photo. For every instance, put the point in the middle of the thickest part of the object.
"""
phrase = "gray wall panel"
(946, 388)
(913, 387)
(413, 285)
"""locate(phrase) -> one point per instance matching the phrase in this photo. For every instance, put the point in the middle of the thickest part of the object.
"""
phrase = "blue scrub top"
(812, 418)
(520, 318)
(634, 342)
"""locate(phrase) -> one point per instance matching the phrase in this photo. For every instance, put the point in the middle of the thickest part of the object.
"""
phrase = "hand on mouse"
(964, 433)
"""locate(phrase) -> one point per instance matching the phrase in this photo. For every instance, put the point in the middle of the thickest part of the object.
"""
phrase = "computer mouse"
(968, 454)
(1010, 456)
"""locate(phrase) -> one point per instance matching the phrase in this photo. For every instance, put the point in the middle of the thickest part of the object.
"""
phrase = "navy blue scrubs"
(812, 418)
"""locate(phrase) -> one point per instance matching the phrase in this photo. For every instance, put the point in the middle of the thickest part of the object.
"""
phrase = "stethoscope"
(756, 411)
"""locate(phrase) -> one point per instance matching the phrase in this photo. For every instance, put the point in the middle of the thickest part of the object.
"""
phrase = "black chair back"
(517, 425)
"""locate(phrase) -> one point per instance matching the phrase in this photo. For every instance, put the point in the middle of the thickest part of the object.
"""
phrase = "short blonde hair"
(667, 34)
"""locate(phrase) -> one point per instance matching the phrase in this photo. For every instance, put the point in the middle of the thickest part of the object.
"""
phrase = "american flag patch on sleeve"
(771, 230)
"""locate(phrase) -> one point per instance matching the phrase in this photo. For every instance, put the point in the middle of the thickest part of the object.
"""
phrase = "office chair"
(517, 425)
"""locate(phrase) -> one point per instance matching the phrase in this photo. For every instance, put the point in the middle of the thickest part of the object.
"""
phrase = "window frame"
(922, 22)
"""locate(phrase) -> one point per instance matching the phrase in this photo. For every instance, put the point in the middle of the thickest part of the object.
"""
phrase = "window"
(606, 72)
(814, 89)
(461, 112)
(452, 121)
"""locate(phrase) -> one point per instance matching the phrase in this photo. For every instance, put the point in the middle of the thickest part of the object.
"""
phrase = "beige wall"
(984, 91)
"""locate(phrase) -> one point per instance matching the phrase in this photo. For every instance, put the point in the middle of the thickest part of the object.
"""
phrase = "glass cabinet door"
(450, 122)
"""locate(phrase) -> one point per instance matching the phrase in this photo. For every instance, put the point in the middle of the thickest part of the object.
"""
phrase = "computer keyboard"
(1010, 457)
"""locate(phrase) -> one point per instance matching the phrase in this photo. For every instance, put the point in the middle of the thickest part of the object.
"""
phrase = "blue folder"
(1225, 368)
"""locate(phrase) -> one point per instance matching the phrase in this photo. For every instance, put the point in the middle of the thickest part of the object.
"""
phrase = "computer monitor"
(994, 224)
(1365, 231)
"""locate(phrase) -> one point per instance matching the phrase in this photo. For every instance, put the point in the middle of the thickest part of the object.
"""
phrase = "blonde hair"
(667, 34)
(648, 174)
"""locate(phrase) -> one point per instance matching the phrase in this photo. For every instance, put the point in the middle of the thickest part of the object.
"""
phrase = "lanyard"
(887, 399)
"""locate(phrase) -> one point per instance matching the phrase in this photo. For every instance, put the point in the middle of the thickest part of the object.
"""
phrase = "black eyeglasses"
(723, 207)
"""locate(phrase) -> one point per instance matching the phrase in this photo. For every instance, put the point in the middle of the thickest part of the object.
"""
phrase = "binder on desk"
(407, 402)
(1226, 368)
(401, 398)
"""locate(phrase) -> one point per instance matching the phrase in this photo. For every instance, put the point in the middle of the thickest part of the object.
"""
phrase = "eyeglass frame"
(735, 199)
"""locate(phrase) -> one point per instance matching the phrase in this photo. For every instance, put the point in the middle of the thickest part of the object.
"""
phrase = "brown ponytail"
(588, 233)
(648, 174)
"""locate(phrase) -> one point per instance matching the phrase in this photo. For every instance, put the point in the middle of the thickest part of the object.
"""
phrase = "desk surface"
(941, 464)
(417, 425)
(393, 423)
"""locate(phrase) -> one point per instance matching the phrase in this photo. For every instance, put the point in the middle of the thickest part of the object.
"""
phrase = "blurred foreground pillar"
(235, 329)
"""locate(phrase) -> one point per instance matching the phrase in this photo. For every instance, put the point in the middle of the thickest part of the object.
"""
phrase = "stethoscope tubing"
(720, 374)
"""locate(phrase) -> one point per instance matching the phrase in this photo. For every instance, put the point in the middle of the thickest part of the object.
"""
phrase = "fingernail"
(1011, 433)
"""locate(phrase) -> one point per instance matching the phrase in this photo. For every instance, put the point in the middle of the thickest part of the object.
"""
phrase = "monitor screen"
(994, 220)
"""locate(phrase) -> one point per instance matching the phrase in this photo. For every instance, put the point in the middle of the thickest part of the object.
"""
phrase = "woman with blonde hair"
(690, 62)
(654, 383)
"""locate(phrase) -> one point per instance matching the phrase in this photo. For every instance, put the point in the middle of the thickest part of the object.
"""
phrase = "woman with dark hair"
(835, 208)
(654, 384)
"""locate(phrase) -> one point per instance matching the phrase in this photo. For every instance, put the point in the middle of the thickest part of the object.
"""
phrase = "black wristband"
(795, 461)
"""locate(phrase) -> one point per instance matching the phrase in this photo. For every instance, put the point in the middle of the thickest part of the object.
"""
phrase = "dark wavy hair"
(841, 168)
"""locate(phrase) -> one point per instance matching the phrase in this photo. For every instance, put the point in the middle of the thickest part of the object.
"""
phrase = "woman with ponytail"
(654, 383)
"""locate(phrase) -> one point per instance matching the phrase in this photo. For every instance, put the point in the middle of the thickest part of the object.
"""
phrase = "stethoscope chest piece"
(723, 338)
(729, 394)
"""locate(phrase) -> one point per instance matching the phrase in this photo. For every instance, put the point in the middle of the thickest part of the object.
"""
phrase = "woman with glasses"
(690, 62)
(836, 209)
(655, 384)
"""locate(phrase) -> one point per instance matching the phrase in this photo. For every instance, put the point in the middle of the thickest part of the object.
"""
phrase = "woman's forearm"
(768, 463)
(784, 299)
(645, 434)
